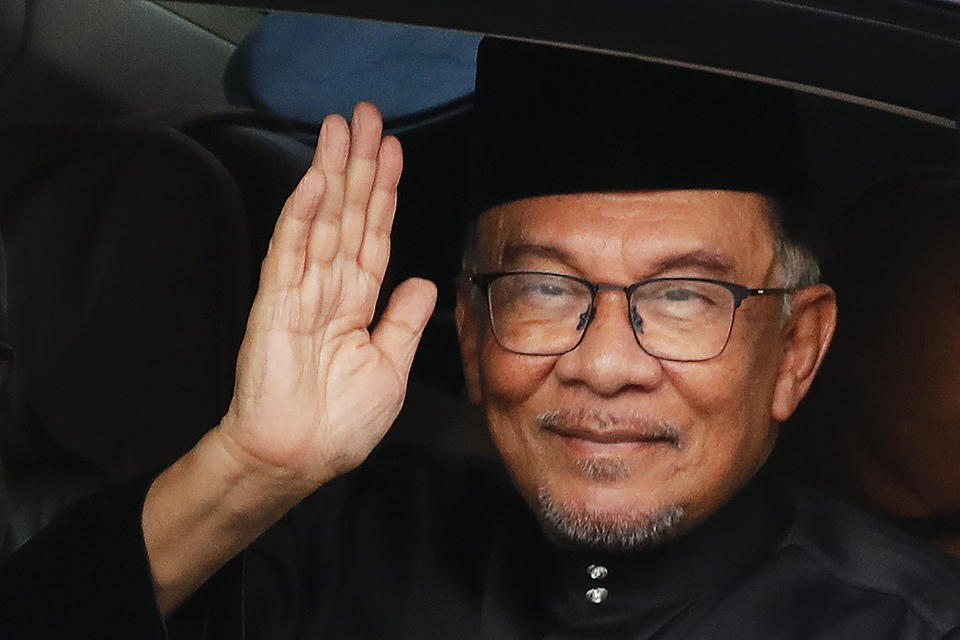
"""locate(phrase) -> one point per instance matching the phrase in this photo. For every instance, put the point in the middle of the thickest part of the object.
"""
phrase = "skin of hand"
(315, 389)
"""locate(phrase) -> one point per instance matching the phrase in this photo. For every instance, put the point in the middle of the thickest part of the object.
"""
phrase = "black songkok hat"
(554, 120)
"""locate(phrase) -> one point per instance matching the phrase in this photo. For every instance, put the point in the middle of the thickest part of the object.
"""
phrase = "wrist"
(202, 511)
(251, 478)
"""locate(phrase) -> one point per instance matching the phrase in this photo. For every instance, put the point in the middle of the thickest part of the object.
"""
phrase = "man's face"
(605, 436)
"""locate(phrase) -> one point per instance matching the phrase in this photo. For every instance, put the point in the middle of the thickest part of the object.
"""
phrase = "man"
(636, 324)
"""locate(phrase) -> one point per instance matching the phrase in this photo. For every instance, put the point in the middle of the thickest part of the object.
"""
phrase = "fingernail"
(356, 121)
(325, 135)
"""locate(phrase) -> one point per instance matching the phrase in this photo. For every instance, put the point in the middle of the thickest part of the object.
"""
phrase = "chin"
(616, 524)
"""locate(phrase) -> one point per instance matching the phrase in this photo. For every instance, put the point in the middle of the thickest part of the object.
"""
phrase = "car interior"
(146, 148)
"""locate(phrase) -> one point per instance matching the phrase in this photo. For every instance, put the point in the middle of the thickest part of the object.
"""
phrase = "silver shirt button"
(597, 572)
(596, 595)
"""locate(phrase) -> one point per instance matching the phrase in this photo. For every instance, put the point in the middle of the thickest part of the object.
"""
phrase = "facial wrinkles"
(617, 247)
(701, 247)
(653, 206)
(531, 224)
(631, 426)
(643, 242)
(653, 246)
(755, 329)
(749, 427)
(737, 367)
(638, 232)
(756, 343)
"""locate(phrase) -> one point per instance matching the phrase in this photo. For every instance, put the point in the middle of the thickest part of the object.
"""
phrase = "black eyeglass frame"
(740, 293)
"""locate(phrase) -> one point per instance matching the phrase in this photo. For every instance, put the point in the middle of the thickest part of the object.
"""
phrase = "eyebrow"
(702, 260)
(513, 252)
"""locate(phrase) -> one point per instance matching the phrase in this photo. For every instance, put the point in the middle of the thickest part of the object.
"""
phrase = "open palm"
(315, 389)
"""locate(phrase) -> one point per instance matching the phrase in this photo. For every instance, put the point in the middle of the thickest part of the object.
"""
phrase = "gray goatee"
(628, 531)
(625, 531)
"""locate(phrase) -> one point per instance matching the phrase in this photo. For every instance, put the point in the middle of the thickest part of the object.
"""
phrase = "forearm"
(204, 510)
(316, 388)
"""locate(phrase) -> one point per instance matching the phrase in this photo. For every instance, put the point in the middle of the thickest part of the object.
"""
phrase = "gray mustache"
(599, 420)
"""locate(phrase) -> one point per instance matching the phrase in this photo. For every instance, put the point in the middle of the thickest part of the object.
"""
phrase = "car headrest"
(305, 67)
(129, 283)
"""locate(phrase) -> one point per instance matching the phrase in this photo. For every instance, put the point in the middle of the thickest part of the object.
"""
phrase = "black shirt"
(412, 546)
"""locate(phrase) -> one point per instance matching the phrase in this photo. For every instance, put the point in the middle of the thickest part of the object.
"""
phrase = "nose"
(609, 360)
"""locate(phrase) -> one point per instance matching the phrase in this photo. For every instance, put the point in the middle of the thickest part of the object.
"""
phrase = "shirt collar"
(532, 583)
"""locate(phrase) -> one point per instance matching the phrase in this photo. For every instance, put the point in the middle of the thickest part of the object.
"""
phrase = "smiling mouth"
(614, 437)
(608, 429)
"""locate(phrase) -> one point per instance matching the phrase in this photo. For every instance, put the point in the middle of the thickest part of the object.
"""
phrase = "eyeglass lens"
(547, 314)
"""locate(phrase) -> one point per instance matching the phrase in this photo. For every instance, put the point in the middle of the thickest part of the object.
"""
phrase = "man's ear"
(469, 331)
(810, 328)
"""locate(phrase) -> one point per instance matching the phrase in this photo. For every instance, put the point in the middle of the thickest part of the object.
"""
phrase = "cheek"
(731, 438)
(722, 396)
(508, 382)
(730, 399)
(509, 379)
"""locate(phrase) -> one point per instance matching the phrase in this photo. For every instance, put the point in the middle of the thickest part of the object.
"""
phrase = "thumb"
(398, 333)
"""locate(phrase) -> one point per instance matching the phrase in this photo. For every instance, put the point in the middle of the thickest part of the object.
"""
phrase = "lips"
(605, 428)
(613, 436)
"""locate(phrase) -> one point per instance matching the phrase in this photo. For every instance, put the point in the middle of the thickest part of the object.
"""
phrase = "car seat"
(134, 249)
(128, 255)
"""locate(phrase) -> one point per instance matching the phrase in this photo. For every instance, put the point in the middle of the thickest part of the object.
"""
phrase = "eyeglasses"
(547, 314)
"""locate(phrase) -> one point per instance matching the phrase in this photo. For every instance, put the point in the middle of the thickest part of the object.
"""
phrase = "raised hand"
(315, 390)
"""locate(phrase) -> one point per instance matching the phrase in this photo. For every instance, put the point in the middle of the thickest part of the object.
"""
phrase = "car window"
(209, 112)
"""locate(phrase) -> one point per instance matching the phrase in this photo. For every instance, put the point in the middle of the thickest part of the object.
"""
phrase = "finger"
(330, 159)
(284, 263)
(399, 331)
(365, 132)
(375, 250)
